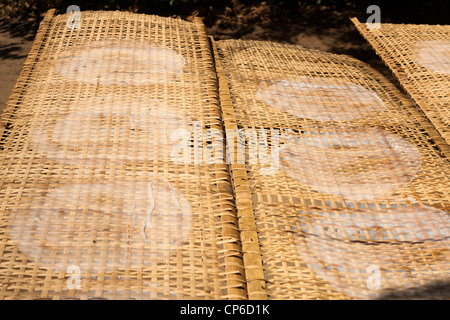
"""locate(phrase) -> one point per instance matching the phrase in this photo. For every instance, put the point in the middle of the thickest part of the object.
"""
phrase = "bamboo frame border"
(254, 271)
(234, 266)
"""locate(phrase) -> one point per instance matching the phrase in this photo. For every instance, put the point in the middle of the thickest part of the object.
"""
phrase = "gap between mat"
(254, 271)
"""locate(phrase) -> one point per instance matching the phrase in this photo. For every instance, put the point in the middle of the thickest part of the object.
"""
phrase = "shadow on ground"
(439, 290)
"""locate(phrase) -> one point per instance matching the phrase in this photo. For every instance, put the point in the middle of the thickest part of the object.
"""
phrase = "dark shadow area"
(239, 17)
(439, 290)
(12, 51)
(27, 30)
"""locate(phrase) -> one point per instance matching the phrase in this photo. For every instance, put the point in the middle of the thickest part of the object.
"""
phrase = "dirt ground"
(310, 26)
(13, 51)
(313, 27)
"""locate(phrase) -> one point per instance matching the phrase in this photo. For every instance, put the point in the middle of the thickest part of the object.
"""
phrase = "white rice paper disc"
(322, 99)
(108, 129)
(357, 163)
(102, 227)
(364, 255)
(120, 62)
(433, 55)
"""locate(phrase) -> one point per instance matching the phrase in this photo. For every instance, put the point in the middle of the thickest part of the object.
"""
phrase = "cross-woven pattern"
(349, 186)
(419, 56)
(94, 204)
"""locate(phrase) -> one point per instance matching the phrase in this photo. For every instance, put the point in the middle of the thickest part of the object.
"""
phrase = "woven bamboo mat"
(348, 190)
(94, 201)
(418, 55)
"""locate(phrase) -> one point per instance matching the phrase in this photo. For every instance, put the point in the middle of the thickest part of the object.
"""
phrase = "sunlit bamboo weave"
(419, 56)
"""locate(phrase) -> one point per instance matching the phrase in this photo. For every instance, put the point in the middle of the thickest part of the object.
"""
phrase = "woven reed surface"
(358, 205)
(93, 205)
(418, 55)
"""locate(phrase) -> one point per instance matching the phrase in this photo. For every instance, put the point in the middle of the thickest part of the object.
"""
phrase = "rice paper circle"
(322, 99)
(355, 163)
(433, 55)
(102, 227)
(120, 62)
(107, 129)
(364, 255)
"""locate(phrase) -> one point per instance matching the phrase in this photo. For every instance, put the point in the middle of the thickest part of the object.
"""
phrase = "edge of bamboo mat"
(254, 272)
(19, 86)
(234, 267)
(423, 119)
